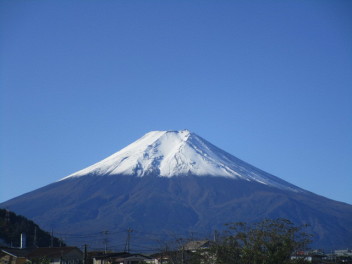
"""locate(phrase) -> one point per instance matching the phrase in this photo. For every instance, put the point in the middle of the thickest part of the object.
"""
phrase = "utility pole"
(35, 237)
(105, 241)
(85, 254)
(215, 236)
(181, 242)
(127, 245)
(7, 220)
(183, 254)
(7, 217)
(52, 238)
(216, 242)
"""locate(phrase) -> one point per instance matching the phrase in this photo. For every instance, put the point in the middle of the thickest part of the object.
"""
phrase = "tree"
(266, 242)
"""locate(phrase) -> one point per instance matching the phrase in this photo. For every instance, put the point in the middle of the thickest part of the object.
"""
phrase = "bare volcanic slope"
(175, 182)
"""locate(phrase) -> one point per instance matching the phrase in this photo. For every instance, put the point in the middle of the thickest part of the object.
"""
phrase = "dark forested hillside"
(12, 225)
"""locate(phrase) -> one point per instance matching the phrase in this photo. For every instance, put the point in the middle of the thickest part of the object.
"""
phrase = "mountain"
(171, 184)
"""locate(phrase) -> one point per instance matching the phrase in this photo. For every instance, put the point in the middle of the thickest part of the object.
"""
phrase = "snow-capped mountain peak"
(178, 153)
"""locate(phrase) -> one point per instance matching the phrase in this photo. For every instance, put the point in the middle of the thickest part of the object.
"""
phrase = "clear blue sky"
(268, 81)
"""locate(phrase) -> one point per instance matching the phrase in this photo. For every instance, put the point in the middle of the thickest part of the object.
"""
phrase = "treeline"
(12, 225)
(267, 242)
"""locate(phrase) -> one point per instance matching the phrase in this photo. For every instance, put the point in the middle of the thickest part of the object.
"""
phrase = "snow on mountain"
(178, 153)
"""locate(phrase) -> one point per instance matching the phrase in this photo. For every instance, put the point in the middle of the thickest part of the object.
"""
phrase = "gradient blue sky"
(267, 81)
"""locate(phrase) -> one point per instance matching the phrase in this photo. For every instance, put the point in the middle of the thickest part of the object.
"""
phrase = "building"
(13, 256)
(198, 245)
(61, 255)
(313, 256)
(123, 258)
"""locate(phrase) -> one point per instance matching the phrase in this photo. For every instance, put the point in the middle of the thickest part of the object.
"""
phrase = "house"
(343, 255)
(123, 258)
(58, 255)
(314, 256)
(198, 245)
(200, 251)
(343, 252)
(61, 255)
(167, 257)
(13, 256)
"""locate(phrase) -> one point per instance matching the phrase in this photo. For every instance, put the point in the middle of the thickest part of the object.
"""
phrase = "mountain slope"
(158, 185)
